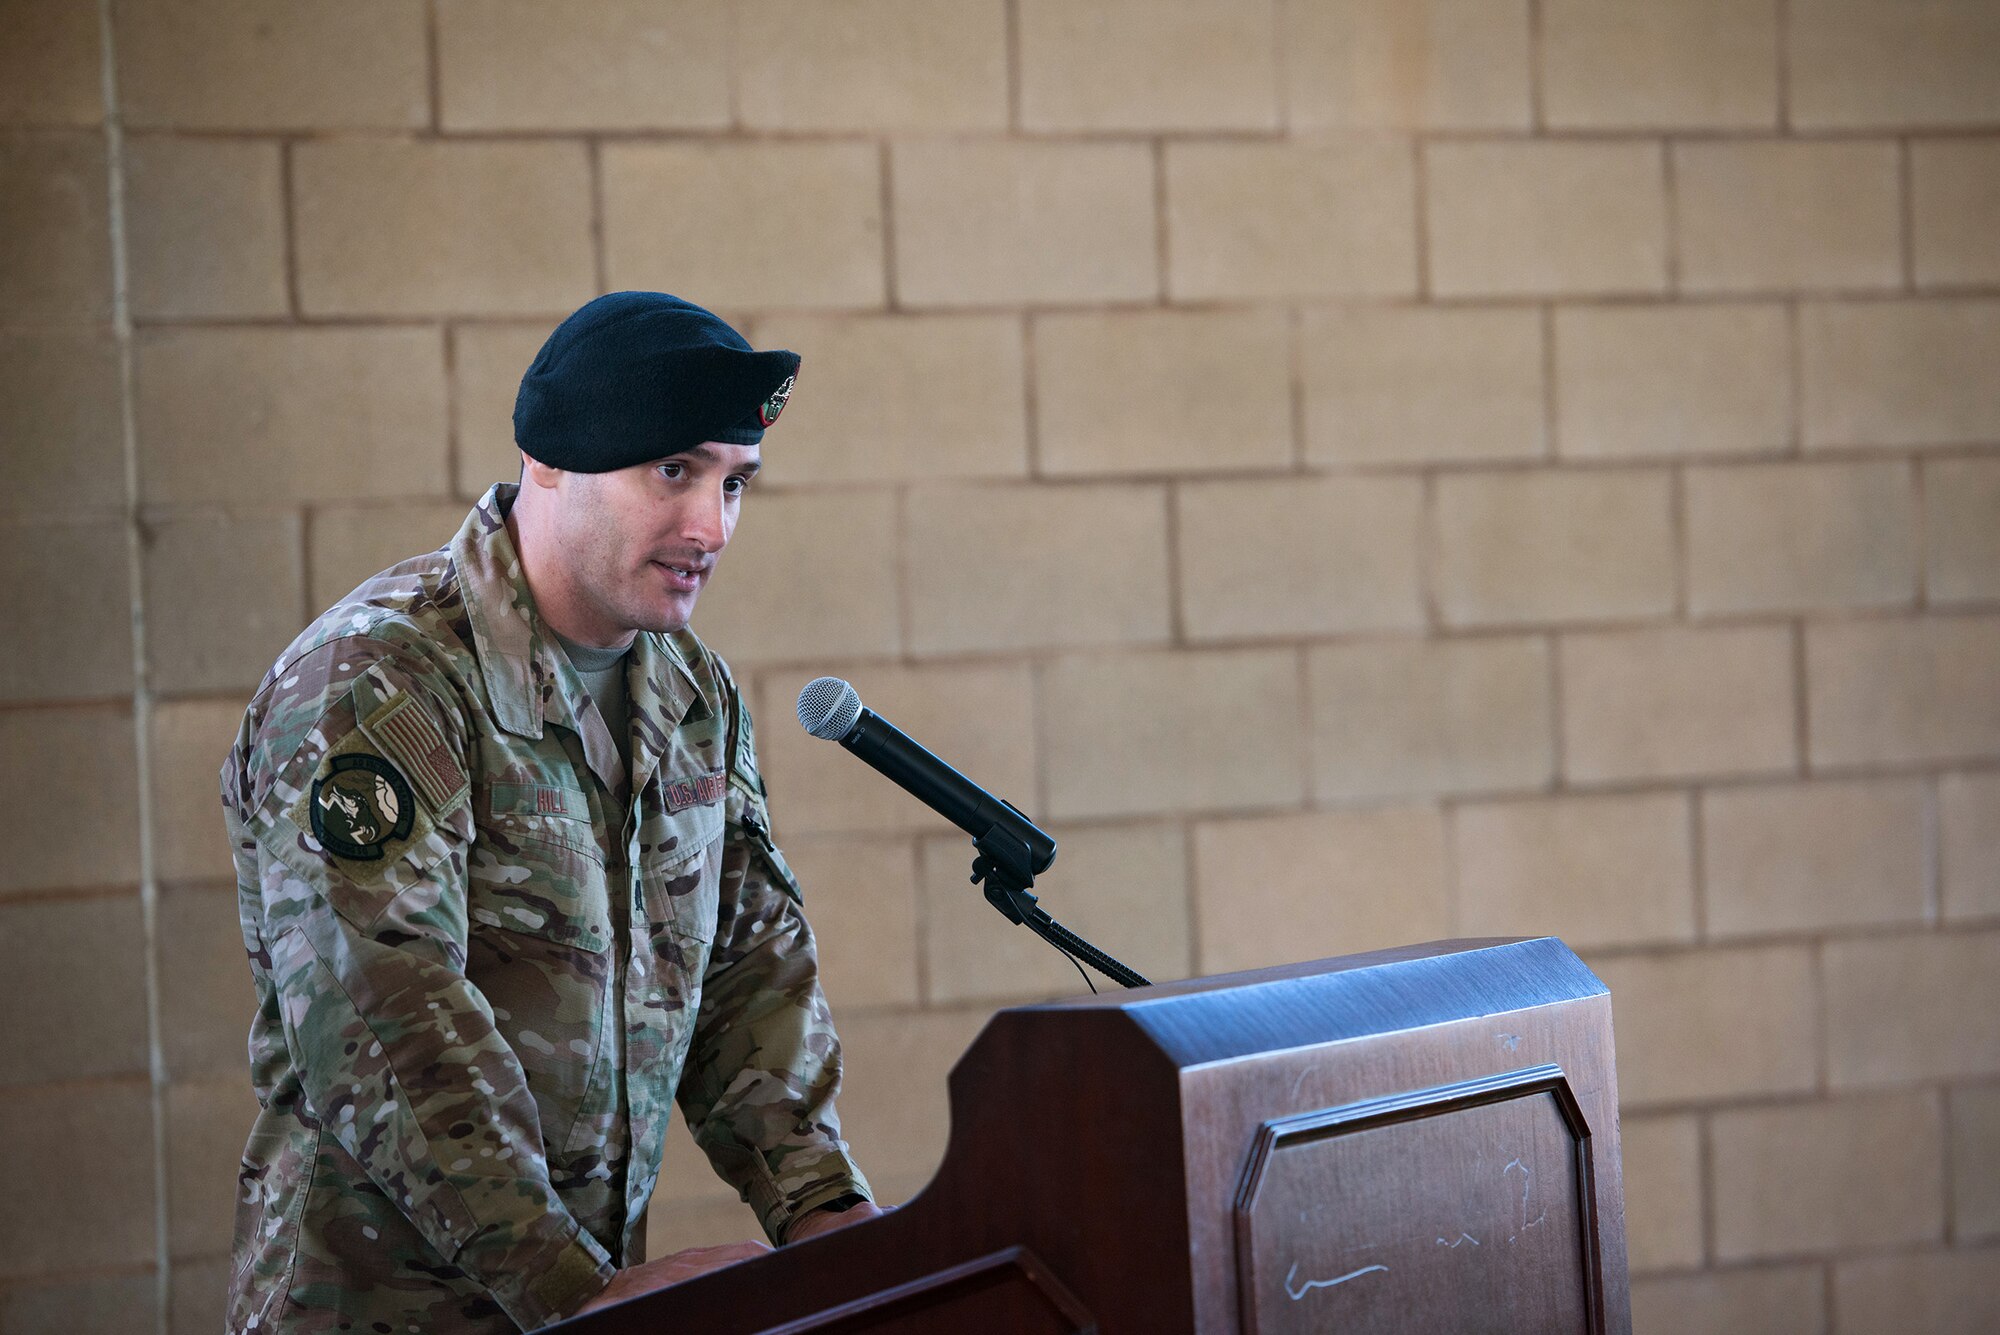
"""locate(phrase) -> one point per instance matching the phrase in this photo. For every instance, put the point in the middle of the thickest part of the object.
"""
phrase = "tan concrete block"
(1672, 380)
(1130, 734)
(775, 594)
(674, 1225)
(1855, 1172)
(1391, 386)
(1714, 1024)
(56, 265)
(1281, 220)
(988, 222)
(224, 594)
(1900, 373)
(205, 227)
(1559, 218)
(817, 787)
(1662, 1168)
(1939, 1293)
(1803, 857)
(1884, 62)
(1020, 567)
(901, 398)
(68, 599)
(100, 1305)
(73, 983)
(206, 996)
(218, 65)
(1677, 702)
(1429, 716)
(1903, 1008)
(346, 546)
(82, 786)
(614, 64)
(189, 740)
(1159, 391)
(1782, 215)
(51, 67)
(90, 1209)
(861, 895)
(1907, 689)
(1635, 64)
(62, 436)
(1596, 871)
(197, 1292)
(487, 362)
(1148, 65)
(1969, 838)
(1786, 1300)
(1553, 546)
(1282, 889)
(755, 241)
(1397, 65)
(879, 64)
(1300, 556)
(1124, 889)
(893, 1106)
(1814, 535)
(388, 227)
(276, 415)
(1962, 529)
(207, 1125)
(1975, 1151)
(1954, 198)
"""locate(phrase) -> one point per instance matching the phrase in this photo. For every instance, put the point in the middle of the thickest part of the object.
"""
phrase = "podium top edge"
(1200, 1020)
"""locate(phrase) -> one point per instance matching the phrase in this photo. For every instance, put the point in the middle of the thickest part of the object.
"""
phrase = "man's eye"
(736, 486)
(671, 472)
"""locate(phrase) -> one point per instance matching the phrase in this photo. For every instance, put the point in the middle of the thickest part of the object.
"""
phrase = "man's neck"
(556, 601)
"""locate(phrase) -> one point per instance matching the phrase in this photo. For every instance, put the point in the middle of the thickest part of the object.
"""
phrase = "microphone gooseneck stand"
(1005, 866)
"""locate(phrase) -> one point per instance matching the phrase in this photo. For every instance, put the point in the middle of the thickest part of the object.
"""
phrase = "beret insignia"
(776, 403)
(360, 805)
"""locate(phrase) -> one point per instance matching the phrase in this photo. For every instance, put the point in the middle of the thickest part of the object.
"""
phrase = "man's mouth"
(686, 578)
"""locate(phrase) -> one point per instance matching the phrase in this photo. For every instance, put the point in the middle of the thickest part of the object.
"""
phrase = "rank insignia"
(360, 805)
(776, 403)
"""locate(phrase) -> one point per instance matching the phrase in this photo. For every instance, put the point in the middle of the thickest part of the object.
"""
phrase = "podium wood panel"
(1409, 1140)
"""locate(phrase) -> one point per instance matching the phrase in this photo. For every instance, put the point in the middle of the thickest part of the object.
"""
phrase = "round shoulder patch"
(776, 403)
(360, 805)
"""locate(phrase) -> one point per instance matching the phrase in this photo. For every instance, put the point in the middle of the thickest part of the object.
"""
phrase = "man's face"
(639, 543)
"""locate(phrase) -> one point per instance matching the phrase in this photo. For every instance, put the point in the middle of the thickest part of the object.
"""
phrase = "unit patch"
(360, 805)
(695, 790)
(776, 403)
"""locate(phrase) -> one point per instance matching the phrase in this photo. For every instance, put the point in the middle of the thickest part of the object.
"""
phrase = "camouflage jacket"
(484, 976)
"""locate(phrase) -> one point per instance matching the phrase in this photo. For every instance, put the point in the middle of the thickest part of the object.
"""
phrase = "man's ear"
(543, 475)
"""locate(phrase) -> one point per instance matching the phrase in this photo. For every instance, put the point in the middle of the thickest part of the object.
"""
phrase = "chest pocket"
(538, 873)
(681, 885)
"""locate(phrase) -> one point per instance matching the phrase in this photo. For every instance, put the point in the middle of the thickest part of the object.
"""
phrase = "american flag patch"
(416, 744)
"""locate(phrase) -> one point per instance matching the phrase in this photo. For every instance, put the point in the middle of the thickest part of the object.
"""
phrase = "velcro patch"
(695, 790)
(537, 799)
(361, 809)
(412, 739)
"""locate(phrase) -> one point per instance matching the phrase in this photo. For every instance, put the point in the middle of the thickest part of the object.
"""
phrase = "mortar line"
(142, 713)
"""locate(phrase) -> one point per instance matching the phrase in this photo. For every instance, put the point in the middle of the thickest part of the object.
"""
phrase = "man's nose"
(702, 523)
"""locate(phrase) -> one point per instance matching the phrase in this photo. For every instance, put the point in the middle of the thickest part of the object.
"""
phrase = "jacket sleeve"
(764, 1065)
(362, 831)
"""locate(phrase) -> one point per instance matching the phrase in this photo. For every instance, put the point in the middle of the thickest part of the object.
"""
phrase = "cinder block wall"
(1361, 470)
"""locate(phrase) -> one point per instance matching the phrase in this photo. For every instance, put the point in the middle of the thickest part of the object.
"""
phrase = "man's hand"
(649, 1275)
(825, 1221)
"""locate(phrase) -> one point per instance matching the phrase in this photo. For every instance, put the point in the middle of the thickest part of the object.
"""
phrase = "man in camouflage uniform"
(492, 941)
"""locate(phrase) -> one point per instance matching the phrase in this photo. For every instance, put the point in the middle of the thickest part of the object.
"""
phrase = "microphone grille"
(828, 707)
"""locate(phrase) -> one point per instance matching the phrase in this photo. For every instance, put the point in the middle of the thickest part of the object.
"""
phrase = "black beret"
(634, 376)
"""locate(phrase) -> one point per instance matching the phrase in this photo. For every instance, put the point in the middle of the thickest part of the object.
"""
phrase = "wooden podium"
(1423, 1139)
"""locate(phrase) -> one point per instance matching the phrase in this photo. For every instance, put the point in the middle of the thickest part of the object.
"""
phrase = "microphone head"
(829, 708)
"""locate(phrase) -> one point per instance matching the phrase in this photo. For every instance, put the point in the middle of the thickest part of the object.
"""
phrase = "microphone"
(831, 709)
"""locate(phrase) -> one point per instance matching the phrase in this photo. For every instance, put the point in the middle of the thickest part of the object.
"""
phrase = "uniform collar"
(529, 680)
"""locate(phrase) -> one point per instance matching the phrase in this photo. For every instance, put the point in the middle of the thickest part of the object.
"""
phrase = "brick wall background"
(1362, 470)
